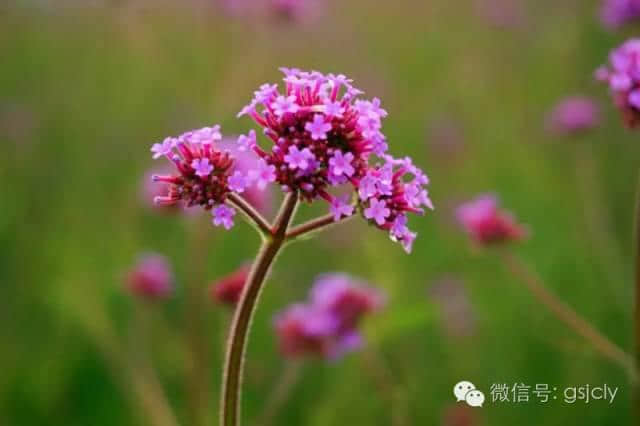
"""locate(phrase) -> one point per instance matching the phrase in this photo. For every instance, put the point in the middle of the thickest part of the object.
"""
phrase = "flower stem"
(315, 225)
(571, 318)
(637, 297)
(230, 404)
(255, 218)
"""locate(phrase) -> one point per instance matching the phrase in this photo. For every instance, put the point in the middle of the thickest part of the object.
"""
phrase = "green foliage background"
(83, 93)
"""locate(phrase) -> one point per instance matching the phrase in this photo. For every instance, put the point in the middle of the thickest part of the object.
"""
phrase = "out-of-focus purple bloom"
(574, 114)
(327, 325)
(616, 13)
(151, 278)
(325, 137)
(622, 74)
(228, 289)
(486, 224)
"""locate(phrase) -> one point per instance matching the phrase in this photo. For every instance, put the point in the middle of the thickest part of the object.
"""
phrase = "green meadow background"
(86, 88)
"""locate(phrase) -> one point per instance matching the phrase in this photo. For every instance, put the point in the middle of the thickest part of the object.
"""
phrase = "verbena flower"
(324, 136)
(622, 74)
(151, 277)
(227, 290)
(326, 325)
(486, 223)
(574, 114)
(206, 173)
(616, 13)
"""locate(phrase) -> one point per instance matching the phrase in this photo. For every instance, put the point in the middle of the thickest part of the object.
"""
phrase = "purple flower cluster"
(206, 174)
(616, 13)
(327, 325)
(623, 77)
(573, 115)
(487, 224)
(151, 278)
(324, 137)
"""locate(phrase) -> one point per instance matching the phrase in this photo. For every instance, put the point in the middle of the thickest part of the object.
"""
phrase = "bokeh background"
(86, 87)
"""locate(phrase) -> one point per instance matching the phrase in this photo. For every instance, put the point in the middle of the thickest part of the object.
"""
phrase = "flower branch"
(315, 225)
(254, 217)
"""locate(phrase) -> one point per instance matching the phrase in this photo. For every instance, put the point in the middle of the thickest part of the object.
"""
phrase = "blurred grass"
(83, 92)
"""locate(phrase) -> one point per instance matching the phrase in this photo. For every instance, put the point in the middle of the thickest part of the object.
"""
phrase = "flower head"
(223, 216)
(486, 224)
(622, 74)
(151, 277)
(574, 115)
(327, 324)
(324, 136)
(204, 172)
(616, 13)
(228, 289)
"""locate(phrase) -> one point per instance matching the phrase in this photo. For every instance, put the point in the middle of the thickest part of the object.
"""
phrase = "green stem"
(637, 299)
(569, 317)
(230, 403)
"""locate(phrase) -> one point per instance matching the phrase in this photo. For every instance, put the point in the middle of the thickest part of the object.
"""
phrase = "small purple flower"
(297, 159)
(263, 174)
(333, 109)
(223, 216)
(340, 207)
(151, 277)
(202, 167)
(283, 105)
(377, 211)
(318, 128)
(573, 115)
(340, 164)
(238, 182)
(247, 142)
(163, 148)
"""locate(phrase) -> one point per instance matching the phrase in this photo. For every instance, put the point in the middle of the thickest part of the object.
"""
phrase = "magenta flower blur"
(151, 277)
(487, 224)
(326, 326)
(205, 173)
(228, 289)
(325, 137)
(622, 74)
(616, 13)
(573, 115)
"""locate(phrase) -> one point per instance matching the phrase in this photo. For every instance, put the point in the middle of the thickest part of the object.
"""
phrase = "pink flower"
(340, 207)
(317, 128)
(263, 174)
(228, 289)
(574, 115)
(377, 211)
(283, 105)
(247, 142)
(237, 182)
(327, 324)
(203, 170)
(223, 216)
(151, 278)
(623, 76)
(297, 159)
(324, 136)
(163, 148)
(340, 164)
(486, 224)
(202, 167)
